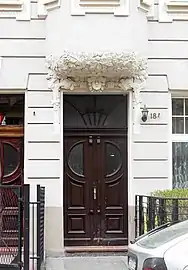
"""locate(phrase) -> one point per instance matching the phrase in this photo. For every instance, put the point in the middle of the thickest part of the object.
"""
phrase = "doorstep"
(80, 249)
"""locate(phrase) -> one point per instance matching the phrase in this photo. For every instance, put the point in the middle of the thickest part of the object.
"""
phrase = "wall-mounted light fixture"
(144, 114)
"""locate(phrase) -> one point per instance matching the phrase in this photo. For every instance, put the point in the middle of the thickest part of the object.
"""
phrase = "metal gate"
(21, 228)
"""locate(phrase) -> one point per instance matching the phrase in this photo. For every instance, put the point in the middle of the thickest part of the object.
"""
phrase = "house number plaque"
(155, 115)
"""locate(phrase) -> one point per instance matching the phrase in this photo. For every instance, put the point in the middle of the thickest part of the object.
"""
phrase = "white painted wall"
(24, 46)
(96, 32)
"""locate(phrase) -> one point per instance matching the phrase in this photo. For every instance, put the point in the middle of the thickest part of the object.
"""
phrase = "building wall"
(24, 45)
(168, 66)
(96, 32)
(23, 52)
(43, 148)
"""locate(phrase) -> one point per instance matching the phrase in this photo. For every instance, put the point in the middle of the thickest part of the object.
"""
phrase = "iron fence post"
(38, 228)
(136, 217)
(20, 226)
(175, 210)
(26, 198)
(141, 216)
(40, 225)
(162, 212)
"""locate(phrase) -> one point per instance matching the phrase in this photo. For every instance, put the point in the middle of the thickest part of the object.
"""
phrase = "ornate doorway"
(95, 170)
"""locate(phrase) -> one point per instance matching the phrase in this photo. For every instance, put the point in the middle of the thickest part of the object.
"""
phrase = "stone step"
(78, 249)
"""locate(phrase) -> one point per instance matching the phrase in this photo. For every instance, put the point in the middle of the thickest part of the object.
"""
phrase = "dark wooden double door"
(96, 190)
(95, 170)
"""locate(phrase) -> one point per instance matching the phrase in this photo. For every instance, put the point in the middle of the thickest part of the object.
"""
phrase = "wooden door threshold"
(79, 249)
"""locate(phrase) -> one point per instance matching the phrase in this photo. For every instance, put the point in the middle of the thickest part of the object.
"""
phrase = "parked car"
(164, 248)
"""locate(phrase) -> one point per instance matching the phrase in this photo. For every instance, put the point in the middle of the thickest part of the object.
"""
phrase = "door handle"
(90, 139)
(98, 211)
(91, 211)
(94, 193)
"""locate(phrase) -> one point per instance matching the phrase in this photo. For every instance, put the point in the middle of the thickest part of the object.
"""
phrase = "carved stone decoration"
(46, 5)
(96, 84)
(67, 84)
(126, 84)
(97, 72)
(54, 85)
(105, 64)
(147, 6)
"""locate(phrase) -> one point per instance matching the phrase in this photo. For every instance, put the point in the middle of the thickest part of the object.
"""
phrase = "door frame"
(129, 147)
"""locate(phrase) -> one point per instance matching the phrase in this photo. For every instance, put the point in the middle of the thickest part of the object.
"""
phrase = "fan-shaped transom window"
(95, 111)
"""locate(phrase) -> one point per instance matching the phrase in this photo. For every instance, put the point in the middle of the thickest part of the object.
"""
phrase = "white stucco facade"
(30, 31)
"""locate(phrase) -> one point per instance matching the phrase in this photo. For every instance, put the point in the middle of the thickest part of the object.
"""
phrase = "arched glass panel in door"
(75, 159)
(11, 159)
(10, 162)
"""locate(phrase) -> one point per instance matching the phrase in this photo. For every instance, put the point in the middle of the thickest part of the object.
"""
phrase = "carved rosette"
(97, 72)
(96, 84)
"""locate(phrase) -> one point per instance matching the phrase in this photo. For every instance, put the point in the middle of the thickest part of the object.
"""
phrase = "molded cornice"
(116, 7)
(97, 72)
(170, 10)
(19, 9)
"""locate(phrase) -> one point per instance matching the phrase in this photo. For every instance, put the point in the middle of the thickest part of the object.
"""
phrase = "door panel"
(113, 190)
(78, 206)
(95, 190)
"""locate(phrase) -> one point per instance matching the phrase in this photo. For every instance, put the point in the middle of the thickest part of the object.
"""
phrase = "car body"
(164, 248)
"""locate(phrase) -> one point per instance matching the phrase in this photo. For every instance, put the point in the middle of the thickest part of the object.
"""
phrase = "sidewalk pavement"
(87, 263)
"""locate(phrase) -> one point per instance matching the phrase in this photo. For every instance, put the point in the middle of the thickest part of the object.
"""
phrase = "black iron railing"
(21, 228)
(34, 243)
(151, 212)
(40, 224)
(26, 229)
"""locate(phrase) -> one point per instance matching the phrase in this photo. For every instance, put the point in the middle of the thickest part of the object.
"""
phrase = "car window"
(163, 236)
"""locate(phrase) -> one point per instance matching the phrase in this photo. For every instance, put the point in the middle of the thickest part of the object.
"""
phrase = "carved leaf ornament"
(98, 72)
